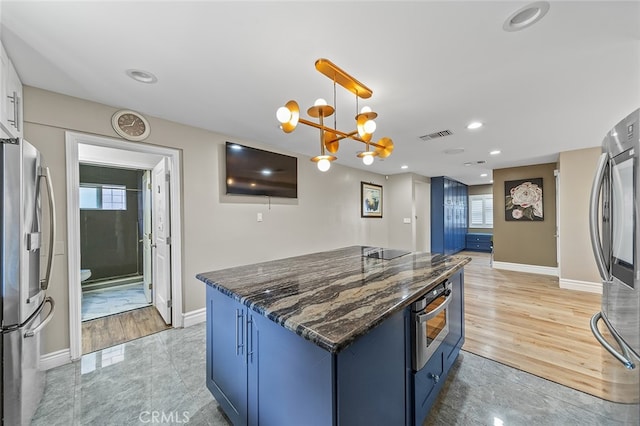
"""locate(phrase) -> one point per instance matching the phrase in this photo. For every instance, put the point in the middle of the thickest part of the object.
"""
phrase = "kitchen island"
(325, 338)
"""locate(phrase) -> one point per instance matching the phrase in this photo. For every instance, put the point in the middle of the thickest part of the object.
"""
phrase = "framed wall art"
(523, 200)
(370, 200)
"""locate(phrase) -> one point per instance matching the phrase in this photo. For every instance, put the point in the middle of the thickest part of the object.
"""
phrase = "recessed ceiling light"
(484, 175)
(404, 166)
(142, 76)
(495, 152)
(468, 163)
(474, 125)
(526, 16)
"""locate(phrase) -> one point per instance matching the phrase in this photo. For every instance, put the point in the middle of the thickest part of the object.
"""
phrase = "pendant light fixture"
(289, 117)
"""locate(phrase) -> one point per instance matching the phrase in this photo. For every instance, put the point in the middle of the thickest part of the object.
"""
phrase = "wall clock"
(130, 125)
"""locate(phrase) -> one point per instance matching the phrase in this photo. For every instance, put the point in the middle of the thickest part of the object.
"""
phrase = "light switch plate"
(407, 220)
(259, 217)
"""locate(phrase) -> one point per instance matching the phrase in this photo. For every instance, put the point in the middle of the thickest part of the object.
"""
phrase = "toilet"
(85, 274)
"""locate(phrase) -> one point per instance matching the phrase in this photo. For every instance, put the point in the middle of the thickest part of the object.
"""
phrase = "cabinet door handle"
(239, 327)
(250, 350)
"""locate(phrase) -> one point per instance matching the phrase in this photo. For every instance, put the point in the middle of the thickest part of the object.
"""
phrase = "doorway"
(123, 227)
(114, 213)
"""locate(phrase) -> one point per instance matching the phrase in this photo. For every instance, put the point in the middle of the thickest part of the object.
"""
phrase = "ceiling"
(558, 85)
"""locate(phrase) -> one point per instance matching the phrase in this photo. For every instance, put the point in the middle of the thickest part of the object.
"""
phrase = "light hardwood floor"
(115, 329)
(528, 322)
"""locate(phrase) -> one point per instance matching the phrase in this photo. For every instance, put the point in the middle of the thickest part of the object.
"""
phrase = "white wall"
(216, 233)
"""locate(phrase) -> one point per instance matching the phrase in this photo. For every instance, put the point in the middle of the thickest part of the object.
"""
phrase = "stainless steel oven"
(429, 323)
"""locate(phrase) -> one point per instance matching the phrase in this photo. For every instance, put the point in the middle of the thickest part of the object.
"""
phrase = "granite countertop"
(333, 297)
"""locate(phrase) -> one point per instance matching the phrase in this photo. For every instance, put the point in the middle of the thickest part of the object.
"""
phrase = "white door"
(146, 234)
(161, 231)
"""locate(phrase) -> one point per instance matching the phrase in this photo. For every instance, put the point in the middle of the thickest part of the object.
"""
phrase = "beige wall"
(577, 169)
(480, 190)
(216, 233)
(525, 242)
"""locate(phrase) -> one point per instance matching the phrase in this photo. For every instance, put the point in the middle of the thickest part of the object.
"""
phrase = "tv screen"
(252, 171)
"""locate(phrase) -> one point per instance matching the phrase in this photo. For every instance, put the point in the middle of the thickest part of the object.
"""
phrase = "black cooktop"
(384, 254)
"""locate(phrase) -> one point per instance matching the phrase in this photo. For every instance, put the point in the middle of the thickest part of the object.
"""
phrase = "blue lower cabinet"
(478, 241)
(290, 378)
(371, 377)
(426, 384)
(455, 339)
(226, 355)
(262, 374)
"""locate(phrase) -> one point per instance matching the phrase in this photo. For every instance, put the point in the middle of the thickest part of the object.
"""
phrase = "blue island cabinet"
(428, 382)
(263, 374)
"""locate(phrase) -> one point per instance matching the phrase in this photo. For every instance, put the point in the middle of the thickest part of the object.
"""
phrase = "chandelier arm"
(343, 135)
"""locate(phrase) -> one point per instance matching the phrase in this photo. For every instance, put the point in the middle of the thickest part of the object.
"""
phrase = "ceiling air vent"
(436, 135)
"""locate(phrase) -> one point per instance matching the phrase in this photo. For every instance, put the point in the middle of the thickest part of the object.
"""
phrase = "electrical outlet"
(406, 220)
(259, 217)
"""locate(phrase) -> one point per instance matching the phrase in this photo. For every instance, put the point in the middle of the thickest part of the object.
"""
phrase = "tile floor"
(165, 373)
(112, 300)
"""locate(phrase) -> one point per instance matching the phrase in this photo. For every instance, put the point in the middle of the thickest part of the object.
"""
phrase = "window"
(481, 211)
(103, 197)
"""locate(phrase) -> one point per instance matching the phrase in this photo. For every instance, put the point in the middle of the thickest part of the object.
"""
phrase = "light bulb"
(283, 114)
(324, 165)
(367, 159)
(365, 109)
(319, 102)
(474, 125)
(370, 126)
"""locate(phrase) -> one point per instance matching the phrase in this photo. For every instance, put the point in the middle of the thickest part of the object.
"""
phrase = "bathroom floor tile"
(112, 300)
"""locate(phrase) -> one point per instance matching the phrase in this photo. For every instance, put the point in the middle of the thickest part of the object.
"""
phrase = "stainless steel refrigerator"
(615, 236)
(24, 290)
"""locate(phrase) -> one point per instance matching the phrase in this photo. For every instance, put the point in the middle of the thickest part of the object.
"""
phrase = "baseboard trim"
(55, 359)
(194, 317)
(588, 286)
(531, 269)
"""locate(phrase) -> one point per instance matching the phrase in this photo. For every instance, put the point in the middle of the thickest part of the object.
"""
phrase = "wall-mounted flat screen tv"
(252, 171)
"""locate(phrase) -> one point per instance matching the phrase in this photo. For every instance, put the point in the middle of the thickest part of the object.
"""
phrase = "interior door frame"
(73, 140)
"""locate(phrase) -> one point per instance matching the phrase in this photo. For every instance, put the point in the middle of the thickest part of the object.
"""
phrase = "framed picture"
(370, 200)
(523, 200)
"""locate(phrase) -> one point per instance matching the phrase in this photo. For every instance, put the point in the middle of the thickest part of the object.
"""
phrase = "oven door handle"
(426, 316)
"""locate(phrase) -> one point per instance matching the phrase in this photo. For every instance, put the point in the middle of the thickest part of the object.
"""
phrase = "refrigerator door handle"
(33, 331)
(624, 358)
(44, 173)
(594, 223)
